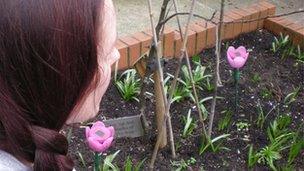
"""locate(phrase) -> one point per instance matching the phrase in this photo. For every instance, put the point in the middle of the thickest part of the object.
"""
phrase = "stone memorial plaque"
(126, 126)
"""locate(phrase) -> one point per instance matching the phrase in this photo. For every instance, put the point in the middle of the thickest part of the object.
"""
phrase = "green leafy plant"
(178, 145)
(296, 147)
(266, 93)
(198, 75)
(242, 126)
(190, 125)
(180, 93)
(287, 168)
(288, 50)
(83, 163)
(208, 85)
(252, 158)
(299, 55)
(261, 116)
(284, 45)
(202, 105)
(182, 90)
(129, 166)
(280, 139)
(256, 78)
(225, 121)
(291, 97)
(279, 43)
(278, 127)
(128, 85)
(270, 153)
(213, 145)
(182, 164)
(196, 59)
(108, 163)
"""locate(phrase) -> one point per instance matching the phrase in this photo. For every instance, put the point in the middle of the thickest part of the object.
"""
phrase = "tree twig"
(218, 55)
(228, 22)
(187, 13)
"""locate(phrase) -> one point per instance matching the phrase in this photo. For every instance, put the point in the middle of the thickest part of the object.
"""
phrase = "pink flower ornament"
(99, 137)
(237, 57)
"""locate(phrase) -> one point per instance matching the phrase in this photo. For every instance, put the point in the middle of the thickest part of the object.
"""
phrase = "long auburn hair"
(48, 61)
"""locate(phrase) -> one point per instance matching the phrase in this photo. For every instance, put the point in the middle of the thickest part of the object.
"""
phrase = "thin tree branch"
(187, 13)
(228, 22)
(185, 54)
(218, 55)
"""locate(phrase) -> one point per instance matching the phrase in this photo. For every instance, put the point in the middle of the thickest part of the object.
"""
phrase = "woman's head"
(55, 59)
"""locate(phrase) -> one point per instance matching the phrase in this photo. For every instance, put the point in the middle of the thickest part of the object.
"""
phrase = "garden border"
(202, 33)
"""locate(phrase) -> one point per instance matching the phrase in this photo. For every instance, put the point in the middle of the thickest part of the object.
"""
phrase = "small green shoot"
(108, 162)
(266, 93)
(190, 125)
(182, 164)
(279, 43)
(296, 148)
(261, 118)
(129, 166)
(182, 90)
(83, 162)
(225, 122)
(291, 97)
(198, 75)
(208, 85)
(202, 106)
(256, 78)
(252, 158)
(242, 126)
(214, 145)
(299, 55)
(288, 51)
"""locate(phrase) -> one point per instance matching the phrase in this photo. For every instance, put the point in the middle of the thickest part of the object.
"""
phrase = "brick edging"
(286, 27)
(202, 34)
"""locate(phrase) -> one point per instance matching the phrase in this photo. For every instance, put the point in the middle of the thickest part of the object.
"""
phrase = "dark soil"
(278, 76)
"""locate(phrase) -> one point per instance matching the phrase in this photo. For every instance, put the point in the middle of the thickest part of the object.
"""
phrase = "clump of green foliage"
(182, 164)
(128, 85)
(266, 93)
(284, 46)
(189, 125)
(225, 122)
(256, 78)
(281, 139)
(214, 145)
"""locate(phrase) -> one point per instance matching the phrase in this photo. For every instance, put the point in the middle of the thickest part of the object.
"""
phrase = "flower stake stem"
(96, 161)
(236, 75)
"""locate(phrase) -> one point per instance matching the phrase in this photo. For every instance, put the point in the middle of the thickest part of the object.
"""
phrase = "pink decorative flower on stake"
(237, 57)
(99, 137)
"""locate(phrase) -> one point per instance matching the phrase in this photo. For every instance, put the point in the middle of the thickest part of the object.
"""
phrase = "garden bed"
(266, 78)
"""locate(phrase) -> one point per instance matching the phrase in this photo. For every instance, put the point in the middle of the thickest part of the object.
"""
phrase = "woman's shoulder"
(9, 163)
